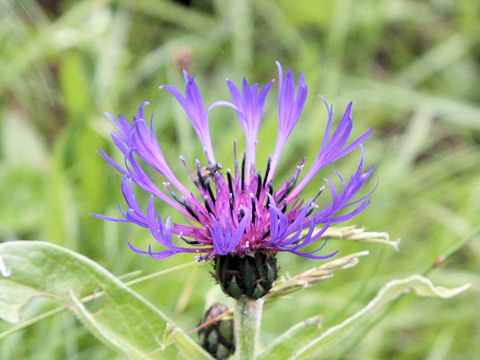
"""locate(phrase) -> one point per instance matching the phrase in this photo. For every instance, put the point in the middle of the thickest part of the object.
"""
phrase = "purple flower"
(237, 212)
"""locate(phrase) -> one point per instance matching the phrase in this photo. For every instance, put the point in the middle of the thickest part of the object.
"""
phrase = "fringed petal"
(249, 105)
(192, 104)
(332, 149)
(290, 108)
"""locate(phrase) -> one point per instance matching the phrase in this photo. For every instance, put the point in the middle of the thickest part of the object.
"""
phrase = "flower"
(237, 213)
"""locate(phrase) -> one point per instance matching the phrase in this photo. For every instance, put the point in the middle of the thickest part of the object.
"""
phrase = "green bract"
(217, 336)
(250, 276)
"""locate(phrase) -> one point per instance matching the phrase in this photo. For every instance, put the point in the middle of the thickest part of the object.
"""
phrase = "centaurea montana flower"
(238, 215)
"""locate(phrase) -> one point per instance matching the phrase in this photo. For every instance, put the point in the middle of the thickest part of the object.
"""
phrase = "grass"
(411, 67)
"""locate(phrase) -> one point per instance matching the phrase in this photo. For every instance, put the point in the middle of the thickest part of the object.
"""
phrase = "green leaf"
(114, 313)
(305, 340)
(184, 344)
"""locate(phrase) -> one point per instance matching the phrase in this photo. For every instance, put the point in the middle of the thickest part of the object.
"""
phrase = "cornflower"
(237, 218)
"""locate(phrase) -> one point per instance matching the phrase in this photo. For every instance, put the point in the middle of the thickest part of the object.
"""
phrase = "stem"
(248, 317)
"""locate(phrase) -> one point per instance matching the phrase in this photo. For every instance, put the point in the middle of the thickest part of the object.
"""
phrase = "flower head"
(237, 213)
(216, 334)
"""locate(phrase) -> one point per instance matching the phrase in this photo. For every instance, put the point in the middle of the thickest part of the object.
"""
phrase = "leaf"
(114, 313)
(305, 341)
(183, 343)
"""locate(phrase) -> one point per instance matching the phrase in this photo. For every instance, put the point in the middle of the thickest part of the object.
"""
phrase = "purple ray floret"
(249, 106)
(192, 103)
(238, 212)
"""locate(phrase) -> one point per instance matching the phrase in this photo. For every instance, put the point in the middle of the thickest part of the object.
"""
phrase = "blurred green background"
(412, 69)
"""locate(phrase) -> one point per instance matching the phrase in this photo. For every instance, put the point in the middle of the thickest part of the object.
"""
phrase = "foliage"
(125, 321)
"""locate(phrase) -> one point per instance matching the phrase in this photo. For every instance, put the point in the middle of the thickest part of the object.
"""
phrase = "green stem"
(248, 317)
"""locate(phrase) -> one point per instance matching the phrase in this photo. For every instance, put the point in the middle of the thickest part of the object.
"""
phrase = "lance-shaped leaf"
(306, 340)
(120, 317)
